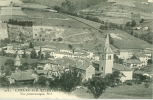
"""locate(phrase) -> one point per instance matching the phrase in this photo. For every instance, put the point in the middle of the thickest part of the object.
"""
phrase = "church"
(106, 64)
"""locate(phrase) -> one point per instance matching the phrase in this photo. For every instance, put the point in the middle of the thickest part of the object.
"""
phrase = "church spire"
(107, 48)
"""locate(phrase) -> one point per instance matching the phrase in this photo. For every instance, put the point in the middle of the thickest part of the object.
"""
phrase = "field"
(121, 92)
(124, 40)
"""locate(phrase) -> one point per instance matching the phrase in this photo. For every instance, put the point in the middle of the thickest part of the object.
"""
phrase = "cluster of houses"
(88, 67)
(140, 60)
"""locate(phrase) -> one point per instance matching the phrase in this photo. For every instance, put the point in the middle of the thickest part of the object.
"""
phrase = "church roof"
(107, 48)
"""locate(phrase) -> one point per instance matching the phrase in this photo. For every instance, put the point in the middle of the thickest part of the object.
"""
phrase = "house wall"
(128, 75)
(3, 31)
(125, 55)
(143, 60)
(90, 71)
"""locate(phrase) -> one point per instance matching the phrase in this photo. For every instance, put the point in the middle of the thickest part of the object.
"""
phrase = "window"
(109, 57)
(102, 68)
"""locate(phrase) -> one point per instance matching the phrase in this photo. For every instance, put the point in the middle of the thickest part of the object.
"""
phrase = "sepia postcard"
(76, 49)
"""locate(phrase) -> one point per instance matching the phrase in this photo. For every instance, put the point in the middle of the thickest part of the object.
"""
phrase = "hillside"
(79, 4)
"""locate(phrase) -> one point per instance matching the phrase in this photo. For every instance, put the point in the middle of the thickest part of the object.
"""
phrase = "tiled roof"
(82, 64)
(120, 67)
(133, 61)
(42, 72)
(65, 61)
(139, 72)
(140, 54)
(44, 61)
(22, 76)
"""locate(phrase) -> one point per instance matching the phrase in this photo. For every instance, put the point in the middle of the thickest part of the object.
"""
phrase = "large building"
(106, 65)
(3, 31)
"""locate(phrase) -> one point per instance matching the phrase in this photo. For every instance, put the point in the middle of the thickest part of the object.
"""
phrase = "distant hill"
(79, 4)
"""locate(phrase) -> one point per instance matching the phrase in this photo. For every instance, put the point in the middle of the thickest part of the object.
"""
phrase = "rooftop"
(22, 76)
(121, 67)
(82, 64)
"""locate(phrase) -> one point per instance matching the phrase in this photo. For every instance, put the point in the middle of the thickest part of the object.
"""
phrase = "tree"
(149, 62)
(70, 46)
(42, 81)
(47, 55)
(7, 71)
(24, 66)
(111, 40)
(97, 86)
(128, 25)
(69, 80)
(24, 54)
(4, 81)
(117, 59)
(133, 23)
(33, 54)
(9, 62)
(113, 79)
(33, 66)
(31, 45)
(142, 20)
(2, 52)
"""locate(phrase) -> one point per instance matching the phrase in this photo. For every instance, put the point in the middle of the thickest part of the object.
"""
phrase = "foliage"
(7, 70)
(149, 62)
(96, 19)
(24, 67)
(113, 79)
(133, 23)
(4, 81)
(42, 81)
(24, 55)
(33, 66)
(60, 39)
(47, 55)
(33, 54)
(70, 46)
(128, 82)
(10, 64)
(21, 23)
(67, 81)
(128, 25)
(2, 52)
(4, 42)
(97, 86)
(142, 20)
(111, 40)
(117, 59)
(31, 45)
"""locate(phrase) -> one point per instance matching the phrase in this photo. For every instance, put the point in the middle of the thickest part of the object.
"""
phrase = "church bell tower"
(107, 57)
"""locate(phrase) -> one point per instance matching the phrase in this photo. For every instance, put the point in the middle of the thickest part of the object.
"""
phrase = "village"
(33, 51)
